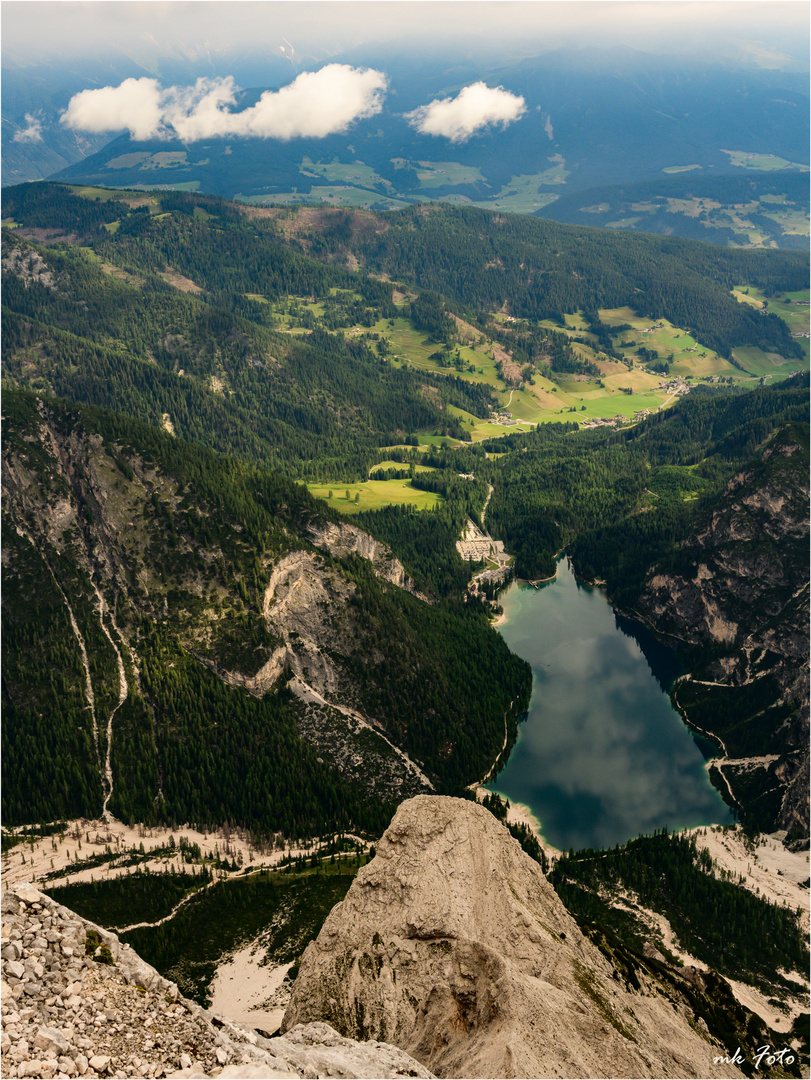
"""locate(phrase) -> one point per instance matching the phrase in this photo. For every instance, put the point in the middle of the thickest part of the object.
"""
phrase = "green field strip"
(374, 494)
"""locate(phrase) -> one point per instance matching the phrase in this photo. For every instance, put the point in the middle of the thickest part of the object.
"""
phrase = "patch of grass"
(522, 196)
(761, 162)
(437, 440)
(86, 191)
(401, 465)
(127, 161)
(769, 365)
(354, 173)
(435, 174)
(374, 494)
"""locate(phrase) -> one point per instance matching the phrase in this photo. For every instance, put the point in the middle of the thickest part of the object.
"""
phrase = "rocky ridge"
(78, 1003)
(452, 945)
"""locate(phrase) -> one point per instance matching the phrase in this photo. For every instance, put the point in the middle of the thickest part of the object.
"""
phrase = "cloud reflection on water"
(603, 755)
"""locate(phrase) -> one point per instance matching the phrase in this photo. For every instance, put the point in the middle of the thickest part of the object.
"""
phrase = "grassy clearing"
(375, 494)
(769, 365)
(97, 193)
(793, 309)
(127, 161)
(521, 195)
(187, 185)
(351, 175)
(745, 298)
(466, 418)
(414, 347)
(680, 168)
(436, 440)
(434, 174)
(400, 464)
(763, 162)
(622, 223)
(403, 446)
(792, 219)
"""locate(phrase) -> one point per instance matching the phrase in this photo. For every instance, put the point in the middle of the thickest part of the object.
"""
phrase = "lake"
(603, 755)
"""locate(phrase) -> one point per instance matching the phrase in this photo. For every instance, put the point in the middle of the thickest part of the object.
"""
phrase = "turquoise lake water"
(603, 755)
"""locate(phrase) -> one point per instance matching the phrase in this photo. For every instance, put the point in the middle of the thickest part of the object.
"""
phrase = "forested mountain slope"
(736, 591)
(540, 270)
(166, 308)
(184, 634)
(118, 334)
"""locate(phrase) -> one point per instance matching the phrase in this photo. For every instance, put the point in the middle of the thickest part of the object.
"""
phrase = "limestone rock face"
(452, 945)
(342, 539)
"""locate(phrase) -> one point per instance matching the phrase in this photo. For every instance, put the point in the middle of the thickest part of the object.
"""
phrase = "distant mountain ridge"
(592, 118)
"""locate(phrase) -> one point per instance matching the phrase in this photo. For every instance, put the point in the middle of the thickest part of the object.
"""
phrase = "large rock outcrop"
(452, 945)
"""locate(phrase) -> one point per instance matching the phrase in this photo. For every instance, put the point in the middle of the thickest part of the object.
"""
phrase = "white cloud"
(33, 133)
(475, 107)
(318, 103)
(198, 112)
(315, 104)
(134, 105)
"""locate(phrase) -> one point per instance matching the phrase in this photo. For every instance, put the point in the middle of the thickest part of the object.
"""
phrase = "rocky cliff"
(452, 945)
(78, 1003)
(736, 596)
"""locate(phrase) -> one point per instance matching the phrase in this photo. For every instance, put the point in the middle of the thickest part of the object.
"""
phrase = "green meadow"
(622, 389)
(521, 195)
(355, 173)
(374, 494)
(435, 174)
(399, 464)
(765, 162)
